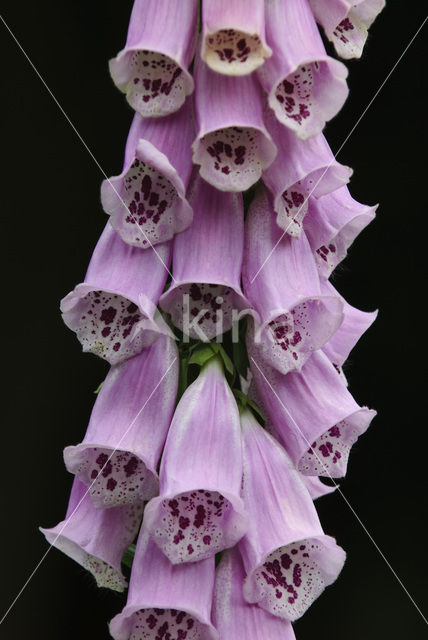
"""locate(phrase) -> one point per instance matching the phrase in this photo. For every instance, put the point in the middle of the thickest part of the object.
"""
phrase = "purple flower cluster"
(229, 543)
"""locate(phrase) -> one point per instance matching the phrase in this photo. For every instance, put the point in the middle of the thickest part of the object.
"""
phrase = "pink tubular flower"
(306, 87)
(206, 291)
(233, 617)
(314, 414)
(166, 601)
(332, 224)
(147, 201)
(281, 282)
(96, 538)
(301, 168)
(346, 22)
(232, 144)
(233, 36)
(355, 324)
(199, 510)
(113, 310)
(118, 457)
(287, 557)
(152, 68)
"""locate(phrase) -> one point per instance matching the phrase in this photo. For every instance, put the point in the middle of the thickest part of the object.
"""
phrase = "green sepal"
(244, 401)
(98, 389)
(128, 556)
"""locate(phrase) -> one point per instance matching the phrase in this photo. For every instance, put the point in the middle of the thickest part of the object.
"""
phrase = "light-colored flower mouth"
(295, 94)
(114, 478)
(104, 324)
(150, 199)
(193, 525)
(154, 624)
(328, 455)
(233, 52)
(232, 159)
(157, 85)
(289, 580)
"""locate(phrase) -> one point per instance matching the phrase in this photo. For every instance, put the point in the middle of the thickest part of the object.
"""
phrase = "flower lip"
(121, 329)
(114, 477)
(195, 524)
(154, 212)
(203, 306)
(290, 578)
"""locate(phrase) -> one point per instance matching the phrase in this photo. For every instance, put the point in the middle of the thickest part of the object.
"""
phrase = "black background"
(51, 219)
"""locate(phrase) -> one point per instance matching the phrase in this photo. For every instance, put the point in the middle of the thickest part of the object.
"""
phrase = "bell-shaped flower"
(232, 144)
(96, 538)
(301, 168)
(305, 87)
(346, 22)
(166, 601)
(118, 457)
(199, 510)
(233, 617)
(313, 413)
(205, 295)
(152, 68)
(332, 224)
(147, 201)
(233, 36)
(281, 282)
(316, 487)
(355, 324)
(287, 557)
(113, 310)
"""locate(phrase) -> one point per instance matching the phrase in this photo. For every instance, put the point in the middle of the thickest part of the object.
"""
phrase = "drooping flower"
(305, 87)
(166, 600)
(147, 201)
(232, 145)
(233, 36)
(332, 224)
(346, 22)
(113, 310)
(280, 280)
(118, 457)
(206, 291)
(301, 168)
(96, 538)
(152, 68)
(199, 510)
(287, 557)
(355, 324)
(233, 617)
(313, 413)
